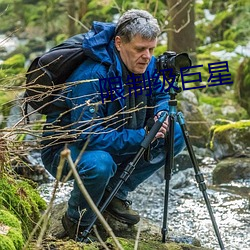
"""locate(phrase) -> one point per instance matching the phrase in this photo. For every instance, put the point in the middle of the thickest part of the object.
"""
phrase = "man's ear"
(118, 42)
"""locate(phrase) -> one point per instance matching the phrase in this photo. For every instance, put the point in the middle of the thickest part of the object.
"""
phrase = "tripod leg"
(199, 176)
(168, 173)
(129, 169)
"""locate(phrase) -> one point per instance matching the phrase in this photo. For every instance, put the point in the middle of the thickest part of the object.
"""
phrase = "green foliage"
(13, 66)
(16, 61)
(160, 50)
(218, 102)
(229, 22)
(243, 84)
(45, 20)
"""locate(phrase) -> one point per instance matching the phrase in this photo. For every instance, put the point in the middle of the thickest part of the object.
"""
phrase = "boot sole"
(121, 219)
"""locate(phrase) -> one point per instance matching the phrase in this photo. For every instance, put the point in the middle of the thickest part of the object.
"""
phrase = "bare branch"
(66, 154)
(77, 21)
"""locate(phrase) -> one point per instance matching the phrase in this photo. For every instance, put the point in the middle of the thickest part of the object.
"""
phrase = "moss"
(13, 239)
(22, 200)
(9, 219)
(235, 125)
(16, 237)
(65, 245)
(128, 244)
(6, 243)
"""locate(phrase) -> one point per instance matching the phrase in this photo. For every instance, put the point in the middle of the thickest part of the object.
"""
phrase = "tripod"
(168, 164)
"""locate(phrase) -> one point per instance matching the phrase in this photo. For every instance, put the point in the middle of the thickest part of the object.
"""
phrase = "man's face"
(137, 53)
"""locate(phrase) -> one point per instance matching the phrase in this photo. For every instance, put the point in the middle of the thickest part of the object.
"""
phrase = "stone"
(189, 96)
(150, 234)
(197, 125)
(231, 139)
(231, 169)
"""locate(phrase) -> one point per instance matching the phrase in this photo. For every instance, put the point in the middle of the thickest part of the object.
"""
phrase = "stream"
(187, 212)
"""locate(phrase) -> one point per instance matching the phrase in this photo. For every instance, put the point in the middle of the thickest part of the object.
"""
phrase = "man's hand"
(164, 128)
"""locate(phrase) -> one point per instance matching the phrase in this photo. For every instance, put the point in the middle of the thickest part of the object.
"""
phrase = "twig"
(66, 154)
(99, 238)
(137, 236)
(77, 21)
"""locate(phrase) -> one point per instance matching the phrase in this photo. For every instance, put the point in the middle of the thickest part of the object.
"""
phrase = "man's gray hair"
(137, 22)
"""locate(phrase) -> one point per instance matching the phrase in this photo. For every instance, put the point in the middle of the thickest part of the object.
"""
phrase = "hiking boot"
(75, 231)
(121, 211)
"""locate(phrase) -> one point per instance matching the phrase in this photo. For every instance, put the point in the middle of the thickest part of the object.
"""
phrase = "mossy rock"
(128, 244)
(232, 139)
(150, 236)
(21, 199)
(11, 237)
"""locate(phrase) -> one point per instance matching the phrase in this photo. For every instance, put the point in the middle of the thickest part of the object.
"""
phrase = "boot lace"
(127, 203)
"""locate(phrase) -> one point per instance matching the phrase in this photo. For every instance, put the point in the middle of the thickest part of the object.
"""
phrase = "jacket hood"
(98, 42)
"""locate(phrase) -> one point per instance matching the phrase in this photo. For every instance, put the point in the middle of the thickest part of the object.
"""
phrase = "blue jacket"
(88, 117)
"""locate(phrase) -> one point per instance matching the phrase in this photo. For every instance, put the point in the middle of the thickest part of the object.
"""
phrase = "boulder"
(197, 125)
(231, 169)
(231, 139)
(150, 235)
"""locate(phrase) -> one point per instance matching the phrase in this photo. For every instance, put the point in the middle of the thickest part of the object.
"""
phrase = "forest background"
(210, 31)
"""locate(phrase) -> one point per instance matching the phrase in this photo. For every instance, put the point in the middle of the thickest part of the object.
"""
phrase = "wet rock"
(197, 125)
(231, 169)
(189, 96)
(181, 179)
(31, 167)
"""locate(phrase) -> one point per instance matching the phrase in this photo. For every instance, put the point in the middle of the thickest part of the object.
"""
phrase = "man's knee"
(97, 165)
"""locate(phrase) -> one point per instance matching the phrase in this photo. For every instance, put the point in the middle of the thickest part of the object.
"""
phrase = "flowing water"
(187, 212)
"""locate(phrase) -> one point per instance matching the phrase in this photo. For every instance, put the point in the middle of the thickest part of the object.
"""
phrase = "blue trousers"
(100, 170)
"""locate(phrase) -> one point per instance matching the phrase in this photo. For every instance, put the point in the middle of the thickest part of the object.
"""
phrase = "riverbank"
(188, 216)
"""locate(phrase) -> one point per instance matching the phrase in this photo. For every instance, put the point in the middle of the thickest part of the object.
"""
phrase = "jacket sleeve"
(88, 115)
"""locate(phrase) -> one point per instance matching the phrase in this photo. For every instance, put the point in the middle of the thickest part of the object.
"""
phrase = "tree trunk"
(72, 13)
(181, 34)
(83, 7)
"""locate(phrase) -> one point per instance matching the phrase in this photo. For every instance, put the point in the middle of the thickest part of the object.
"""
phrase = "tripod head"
(173, 65)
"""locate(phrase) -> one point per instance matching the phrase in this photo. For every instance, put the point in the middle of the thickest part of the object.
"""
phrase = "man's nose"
(146, 54)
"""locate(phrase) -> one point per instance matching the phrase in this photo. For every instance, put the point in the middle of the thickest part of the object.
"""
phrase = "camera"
(171, 60)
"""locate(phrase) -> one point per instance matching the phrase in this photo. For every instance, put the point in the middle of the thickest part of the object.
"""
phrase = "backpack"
(47, 74)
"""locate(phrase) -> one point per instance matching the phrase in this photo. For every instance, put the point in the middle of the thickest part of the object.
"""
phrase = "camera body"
(171, 60)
